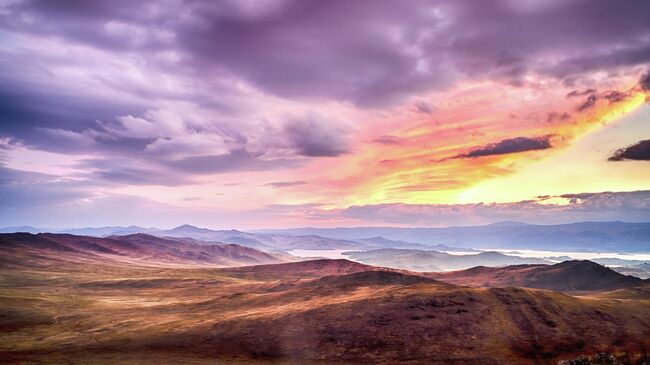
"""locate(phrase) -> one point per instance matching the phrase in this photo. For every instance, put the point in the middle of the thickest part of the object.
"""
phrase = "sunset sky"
(262, 114)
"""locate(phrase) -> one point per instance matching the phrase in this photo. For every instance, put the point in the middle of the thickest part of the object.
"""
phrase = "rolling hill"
(567, 276)
(135, 248)
(421, 260)
(314, 312)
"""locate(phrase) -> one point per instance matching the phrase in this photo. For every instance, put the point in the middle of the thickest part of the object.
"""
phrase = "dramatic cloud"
(638, 151)
(363, 51)
(163, 100)
(511, 145)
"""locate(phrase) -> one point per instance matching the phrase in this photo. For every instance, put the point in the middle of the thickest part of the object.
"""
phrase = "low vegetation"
(57, 310)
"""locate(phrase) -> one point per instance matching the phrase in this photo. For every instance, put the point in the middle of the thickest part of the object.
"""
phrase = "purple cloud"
(639, 151)
(388, 139)
(314, 137)
(365, 52)
(615, 96)
(371, 54)
(644, 82)
(423, 107)
(195, 93)
(588, 103)
(511, 145)
(575, 93)
(285, 184)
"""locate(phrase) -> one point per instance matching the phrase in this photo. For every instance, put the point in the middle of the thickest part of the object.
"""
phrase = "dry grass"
(95, 313)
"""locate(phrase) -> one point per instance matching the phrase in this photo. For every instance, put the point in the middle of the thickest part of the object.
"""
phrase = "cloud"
(235, 160)
(20, 189)
(511, 145)
(424, 107)
(639, 151)
(285, 184)
(588, 103)
(388, 139)
(189, 145)
(644, 82)
(573, 196)
(615, 96)
(364, 52)
(153, 98)
(313, 136)
(575, 93)
(125, 171)
(84, 63)
(555, 116)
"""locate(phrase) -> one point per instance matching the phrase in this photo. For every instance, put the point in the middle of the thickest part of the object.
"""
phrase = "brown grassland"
(54, 309)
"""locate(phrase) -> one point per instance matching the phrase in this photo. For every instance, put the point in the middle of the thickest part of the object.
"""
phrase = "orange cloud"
(416, 159)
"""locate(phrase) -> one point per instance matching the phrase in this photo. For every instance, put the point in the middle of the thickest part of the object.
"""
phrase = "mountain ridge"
(141, 247)
(567, 276)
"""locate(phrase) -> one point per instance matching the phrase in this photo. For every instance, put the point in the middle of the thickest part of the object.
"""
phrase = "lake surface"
(338, 254)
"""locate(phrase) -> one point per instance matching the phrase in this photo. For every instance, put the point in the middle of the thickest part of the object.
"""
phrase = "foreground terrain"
(60, 306)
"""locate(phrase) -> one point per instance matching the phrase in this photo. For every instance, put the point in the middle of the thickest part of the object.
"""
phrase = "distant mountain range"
(261, 241)
(584, 236)
(266, 242)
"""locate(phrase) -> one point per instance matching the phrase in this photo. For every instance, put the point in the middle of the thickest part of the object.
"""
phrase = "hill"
(30, 249)
(421, 260)
(568, 276)
(313, 312)
(301, 269)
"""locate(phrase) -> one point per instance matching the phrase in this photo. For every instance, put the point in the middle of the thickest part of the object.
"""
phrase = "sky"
(289, 113)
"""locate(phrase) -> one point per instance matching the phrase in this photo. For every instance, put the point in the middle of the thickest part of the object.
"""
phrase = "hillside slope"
(29, 249)
(321, 312)
(565, 276)
(421, 260)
